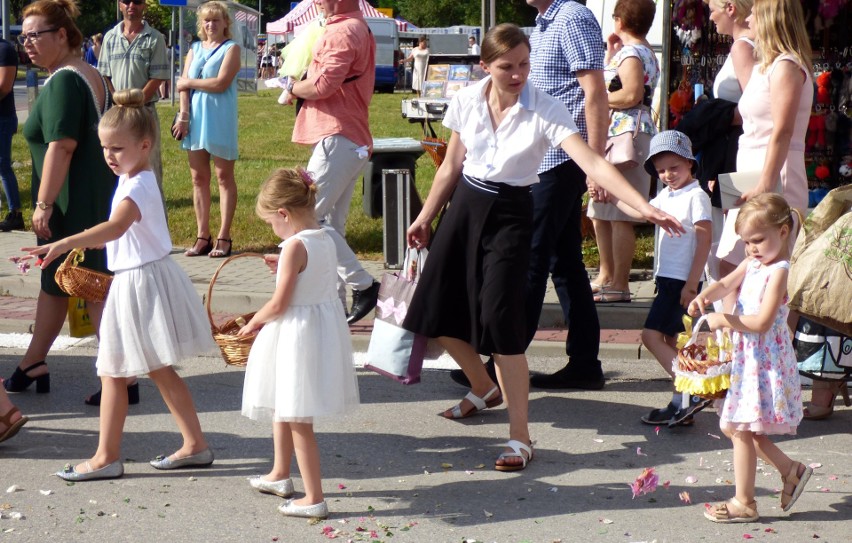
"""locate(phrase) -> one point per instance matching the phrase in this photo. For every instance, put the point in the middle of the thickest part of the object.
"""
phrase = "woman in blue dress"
(207, 124)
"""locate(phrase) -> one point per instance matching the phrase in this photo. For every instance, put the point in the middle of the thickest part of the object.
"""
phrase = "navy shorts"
(666, 314)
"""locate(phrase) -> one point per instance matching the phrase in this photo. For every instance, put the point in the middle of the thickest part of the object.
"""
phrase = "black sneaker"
(14, 221)
(683, 417)
(661, 416)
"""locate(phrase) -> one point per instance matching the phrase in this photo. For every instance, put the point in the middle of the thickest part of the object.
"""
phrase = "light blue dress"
(212, 116)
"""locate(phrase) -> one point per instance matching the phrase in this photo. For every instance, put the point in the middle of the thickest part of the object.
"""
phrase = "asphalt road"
(395, 471)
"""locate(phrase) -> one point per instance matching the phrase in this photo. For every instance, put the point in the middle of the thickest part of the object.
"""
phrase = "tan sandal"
(12, 428)
(492, 399)
(724, 513)
(607, 296)
(798, 482)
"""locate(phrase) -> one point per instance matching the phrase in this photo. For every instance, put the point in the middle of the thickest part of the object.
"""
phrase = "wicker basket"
(699, 375)
(437, 149)
(235, 349)
(75, 280)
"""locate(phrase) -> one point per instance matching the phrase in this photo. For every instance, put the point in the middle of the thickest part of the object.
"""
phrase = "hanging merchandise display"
(697, 53)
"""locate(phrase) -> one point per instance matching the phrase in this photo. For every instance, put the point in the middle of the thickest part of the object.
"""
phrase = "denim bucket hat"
(670, 141)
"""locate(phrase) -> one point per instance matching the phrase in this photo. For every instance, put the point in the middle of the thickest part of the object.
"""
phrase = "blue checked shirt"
(566, 39)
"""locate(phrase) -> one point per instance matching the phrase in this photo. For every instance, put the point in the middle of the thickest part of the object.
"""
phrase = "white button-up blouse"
(512, 153)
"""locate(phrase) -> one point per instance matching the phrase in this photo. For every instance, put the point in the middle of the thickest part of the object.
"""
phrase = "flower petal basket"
(699, 373)
(235, 349)
(76, 280)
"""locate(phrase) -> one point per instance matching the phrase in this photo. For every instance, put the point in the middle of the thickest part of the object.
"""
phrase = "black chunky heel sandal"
(19, 381)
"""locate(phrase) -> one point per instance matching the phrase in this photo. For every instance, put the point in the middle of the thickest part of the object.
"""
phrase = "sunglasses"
(134, 2)
(32, 37)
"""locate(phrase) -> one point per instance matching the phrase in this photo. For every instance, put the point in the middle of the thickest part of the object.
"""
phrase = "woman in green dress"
(72, 186)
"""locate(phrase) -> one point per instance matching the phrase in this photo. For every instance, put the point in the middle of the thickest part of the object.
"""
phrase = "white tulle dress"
(300, 366)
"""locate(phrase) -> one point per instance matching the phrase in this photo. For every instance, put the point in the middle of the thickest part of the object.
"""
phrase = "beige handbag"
(821, 266)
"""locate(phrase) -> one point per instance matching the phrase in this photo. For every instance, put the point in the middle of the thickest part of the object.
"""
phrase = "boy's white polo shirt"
(689, 205)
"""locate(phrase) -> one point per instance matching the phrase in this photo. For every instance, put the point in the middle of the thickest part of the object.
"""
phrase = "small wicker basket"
(698, 374)
(235, 349)
(75, 280)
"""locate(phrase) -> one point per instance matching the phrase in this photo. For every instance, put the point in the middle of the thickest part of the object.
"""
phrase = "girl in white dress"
(152, 317)
(765, 394)
(300, 365)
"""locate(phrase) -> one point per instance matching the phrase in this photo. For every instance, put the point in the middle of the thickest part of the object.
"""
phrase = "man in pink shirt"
(334, 119)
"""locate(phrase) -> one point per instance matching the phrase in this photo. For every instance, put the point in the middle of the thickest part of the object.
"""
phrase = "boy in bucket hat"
(680, 261)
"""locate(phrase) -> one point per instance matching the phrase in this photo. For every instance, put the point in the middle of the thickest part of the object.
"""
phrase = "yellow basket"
(235, 349)
(75, 280)
(698, 374)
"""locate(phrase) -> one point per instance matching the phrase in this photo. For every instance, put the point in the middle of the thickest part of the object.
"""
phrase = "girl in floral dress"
(765, 394)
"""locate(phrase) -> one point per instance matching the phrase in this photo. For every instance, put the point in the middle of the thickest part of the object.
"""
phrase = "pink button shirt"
(346, 49)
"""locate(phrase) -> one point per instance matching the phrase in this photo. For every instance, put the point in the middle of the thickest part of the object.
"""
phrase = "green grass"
(265, 129)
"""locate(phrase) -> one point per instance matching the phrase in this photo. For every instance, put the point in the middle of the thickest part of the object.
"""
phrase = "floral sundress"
(624, 120)
(765, 395)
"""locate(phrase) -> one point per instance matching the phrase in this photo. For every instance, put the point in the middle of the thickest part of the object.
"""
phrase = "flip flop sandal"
(492, 399)
(607, 296)
(518, 448)
(723, 513)
(787, 500)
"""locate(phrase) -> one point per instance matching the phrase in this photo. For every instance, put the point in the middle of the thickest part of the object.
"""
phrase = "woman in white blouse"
(471, 293)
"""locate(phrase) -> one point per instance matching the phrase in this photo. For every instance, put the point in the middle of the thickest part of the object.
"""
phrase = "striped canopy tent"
(307, 11)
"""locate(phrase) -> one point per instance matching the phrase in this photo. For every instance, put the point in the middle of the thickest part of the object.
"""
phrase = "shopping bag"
(393, 351)
(79, 323)
(822, 352)
(821, 266)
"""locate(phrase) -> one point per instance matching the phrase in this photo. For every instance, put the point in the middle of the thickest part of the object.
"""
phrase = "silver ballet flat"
(283, 488)
(317, 510)
(110, 471)
(197, 460)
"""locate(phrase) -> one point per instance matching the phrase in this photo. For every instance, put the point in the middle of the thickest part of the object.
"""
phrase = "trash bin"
(390, 154)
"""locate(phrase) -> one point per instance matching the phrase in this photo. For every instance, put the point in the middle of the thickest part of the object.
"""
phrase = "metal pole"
(260, 16)
(172, 58)
(5, 15)
(493, 15)
(181, 43)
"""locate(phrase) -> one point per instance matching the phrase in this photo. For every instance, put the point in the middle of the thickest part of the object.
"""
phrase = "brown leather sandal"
(11, 427)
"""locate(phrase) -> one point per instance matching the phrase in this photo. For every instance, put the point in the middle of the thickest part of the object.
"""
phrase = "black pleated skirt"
(473, 285)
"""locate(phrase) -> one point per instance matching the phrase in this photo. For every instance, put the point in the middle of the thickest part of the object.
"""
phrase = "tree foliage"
(440, 13)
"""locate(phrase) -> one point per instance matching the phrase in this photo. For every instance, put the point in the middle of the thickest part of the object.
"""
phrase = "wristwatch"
(43, 205)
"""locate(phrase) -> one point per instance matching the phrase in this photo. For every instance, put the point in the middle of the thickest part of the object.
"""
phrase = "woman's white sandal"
(517, 447)
(492, 399)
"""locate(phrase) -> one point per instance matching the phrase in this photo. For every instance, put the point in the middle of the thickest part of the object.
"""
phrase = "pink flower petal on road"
(714, 436)
(748, 536)
(684, 497)
(692, 479)
(341, 486)
(832, 477)
(666, 484)
(815, 465)
(639, 452)
(645, 483)
(657, 430)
